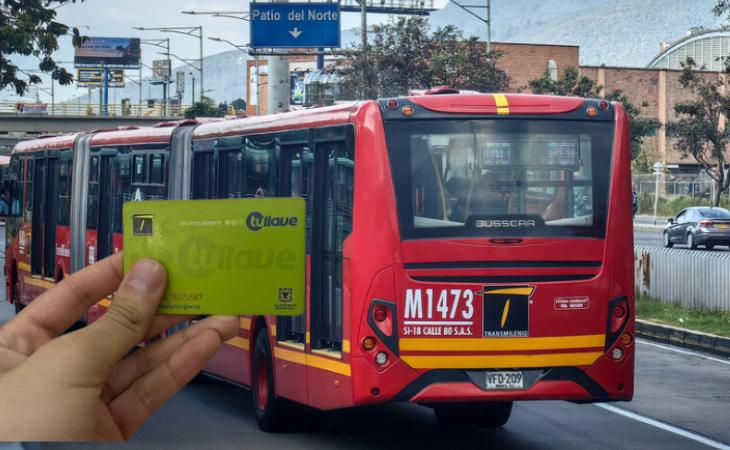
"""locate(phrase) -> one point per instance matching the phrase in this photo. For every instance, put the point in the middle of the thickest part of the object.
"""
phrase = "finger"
(161, 323)
(142, 362)
(61, 306)
(127, 320)
(147, 394)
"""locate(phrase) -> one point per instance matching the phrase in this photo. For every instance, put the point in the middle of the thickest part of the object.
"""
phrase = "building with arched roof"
(708, 49)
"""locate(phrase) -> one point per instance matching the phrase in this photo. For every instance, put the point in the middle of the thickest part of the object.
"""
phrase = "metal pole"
(202, 86)
(364, 22)
(53, 95)
(489, 30)
(192, 99)
(656, 195)
(258, 86)
(106, 90)
(167, 76)
(279, 80)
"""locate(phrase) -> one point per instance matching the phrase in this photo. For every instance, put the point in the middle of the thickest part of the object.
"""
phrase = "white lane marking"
(685, 352)
(665, 426)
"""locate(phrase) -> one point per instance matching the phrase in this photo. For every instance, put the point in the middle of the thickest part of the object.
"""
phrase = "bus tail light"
(617, 354)
(603, 104)
(408, 110)
(368, 343)
(381, 358)
(592, 111)
(706, 223)
(380, 315)
(392, 104)
(619, 311)
(627, 339)
(618, 317)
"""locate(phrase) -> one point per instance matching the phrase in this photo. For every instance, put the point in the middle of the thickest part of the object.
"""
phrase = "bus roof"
(320, 116)
(55, 142)
(498, 103)
(143, 135)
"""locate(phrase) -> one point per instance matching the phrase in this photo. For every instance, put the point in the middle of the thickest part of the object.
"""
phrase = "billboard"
(161, 68)
(296, 85)
(95, 77)
(117, 53)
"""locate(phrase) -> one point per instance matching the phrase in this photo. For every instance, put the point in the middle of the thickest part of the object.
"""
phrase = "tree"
(204, 108)
(28, 28)
(638, 126)
(698, 130)
(401, 56)
(239, 104)
(571, 83)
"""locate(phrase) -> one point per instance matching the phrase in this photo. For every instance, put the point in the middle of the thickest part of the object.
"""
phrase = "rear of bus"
(513, 278)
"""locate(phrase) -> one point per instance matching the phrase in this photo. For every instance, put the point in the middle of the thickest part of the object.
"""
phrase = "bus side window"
(92, 211)
(63, 211)
(229, 173)
(16, 185)
(29, 191)
(122, 188)
(260, 167)
(202, 182)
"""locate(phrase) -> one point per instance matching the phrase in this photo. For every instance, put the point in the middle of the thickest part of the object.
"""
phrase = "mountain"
(619, 33)
(622, 33)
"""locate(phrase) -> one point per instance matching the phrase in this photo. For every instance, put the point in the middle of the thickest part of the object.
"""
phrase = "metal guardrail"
(95, 109)
(694, 279)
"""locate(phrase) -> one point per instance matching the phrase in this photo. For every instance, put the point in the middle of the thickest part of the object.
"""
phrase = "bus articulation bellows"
(463, 251)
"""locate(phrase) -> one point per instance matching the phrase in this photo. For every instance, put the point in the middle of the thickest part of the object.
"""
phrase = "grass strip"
(711, 321)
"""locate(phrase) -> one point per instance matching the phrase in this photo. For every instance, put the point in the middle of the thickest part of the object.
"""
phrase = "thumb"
(128, 318)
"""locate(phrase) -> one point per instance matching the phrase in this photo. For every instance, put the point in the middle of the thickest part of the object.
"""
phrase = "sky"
(106, 18)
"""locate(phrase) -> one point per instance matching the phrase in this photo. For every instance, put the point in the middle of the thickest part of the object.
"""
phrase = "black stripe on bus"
(505, 279)
(502, 265)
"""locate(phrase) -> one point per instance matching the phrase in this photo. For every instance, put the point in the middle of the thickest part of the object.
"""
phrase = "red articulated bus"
(464, 251)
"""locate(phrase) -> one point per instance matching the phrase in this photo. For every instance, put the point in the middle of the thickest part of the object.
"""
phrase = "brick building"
(522, 62)
(661, 89)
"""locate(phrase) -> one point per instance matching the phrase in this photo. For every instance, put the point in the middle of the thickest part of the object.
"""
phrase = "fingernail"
(146, 275)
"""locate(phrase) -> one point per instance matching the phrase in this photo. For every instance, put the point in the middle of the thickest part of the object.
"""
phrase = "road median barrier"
(695, 340)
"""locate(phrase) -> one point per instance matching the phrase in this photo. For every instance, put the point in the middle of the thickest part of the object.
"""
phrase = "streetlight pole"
(258, 82)
(188, 31)
(657, 172)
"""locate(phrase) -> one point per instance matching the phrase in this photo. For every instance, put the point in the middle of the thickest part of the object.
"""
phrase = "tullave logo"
(285, 295)
(504, 223)
(198, 257)
(256, 221)
(506, 310)
(142, 224)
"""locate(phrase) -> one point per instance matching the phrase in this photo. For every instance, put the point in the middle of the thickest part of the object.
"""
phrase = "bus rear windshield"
(500, 177)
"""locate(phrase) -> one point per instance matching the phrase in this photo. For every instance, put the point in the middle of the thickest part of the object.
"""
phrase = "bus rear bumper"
(468, 392)
(558, 383)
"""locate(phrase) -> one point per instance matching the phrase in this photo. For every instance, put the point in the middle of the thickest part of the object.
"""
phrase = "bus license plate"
(722, 227)
(505, 380)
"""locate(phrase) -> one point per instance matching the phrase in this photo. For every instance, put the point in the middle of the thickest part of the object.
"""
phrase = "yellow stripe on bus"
(501, 361)
(514, 291)
(105, 303)
(502, 104)
(504, 344)
(38, 282)
(238, 342)
(24, 267)
(313, 361)
(245, 323)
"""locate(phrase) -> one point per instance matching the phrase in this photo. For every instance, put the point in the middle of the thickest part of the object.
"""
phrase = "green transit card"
(238, 256)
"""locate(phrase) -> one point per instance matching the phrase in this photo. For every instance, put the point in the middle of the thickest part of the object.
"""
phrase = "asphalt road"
(682, 402)
(676, 393)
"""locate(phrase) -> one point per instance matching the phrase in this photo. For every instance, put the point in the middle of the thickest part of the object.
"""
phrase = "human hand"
(77, 387)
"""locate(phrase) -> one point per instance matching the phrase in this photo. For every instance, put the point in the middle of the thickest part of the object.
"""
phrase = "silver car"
(699, 225)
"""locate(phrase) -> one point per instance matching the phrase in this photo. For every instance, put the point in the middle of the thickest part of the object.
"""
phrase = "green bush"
(669, 207)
